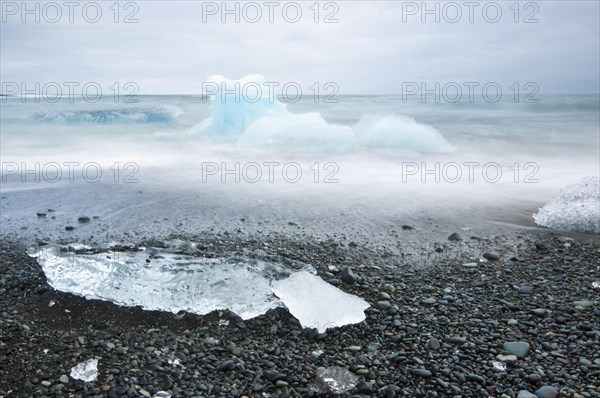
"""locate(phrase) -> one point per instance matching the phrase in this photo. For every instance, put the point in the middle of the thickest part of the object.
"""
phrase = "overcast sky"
(374, 47)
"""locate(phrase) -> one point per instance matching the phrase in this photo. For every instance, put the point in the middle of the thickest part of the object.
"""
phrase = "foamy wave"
(166, 114)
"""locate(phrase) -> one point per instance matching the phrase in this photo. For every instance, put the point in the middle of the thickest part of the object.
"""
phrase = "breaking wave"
(166, 114)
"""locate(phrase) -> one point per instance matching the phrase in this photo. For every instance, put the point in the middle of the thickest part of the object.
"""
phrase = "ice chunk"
(169, 282)
(86, 371)
(499, 365)
(334, 380)
(307, 131)
(232, 115)
(317, 304)
(577, 208)
(395, 131)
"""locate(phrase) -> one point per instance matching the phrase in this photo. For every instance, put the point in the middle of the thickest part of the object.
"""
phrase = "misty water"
(159, 173)
(360, 168)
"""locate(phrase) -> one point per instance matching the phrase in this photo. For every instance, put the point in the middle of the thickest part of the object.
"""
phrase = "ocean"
(359, 167)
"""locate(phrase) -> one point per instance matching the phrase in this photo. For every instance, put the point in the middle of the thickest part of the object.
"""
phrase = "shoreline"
(435, 328)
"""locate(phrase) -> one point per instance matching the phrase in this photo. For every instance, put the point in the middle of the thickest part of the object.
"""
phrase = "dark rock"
(455, 237)
(421, 372)
(83, 219)
(492, 256)
(226, 365)
(525, 289)
(348, 276)
(433, 344)
(273, 375)
(364, 388)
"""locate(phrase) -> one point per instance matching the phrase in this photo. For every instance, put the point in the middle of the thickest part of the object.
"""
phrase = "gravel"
(444, 347)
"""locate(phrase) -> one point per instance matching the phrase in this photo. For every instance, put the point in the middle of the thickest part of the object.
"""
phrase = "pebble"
(455, 237)
(64, 379)
(421, 372)
(518, 348)
(507, 358)
(492, 256)
(546, 392)
(433, 344)
(83, 219)
(583, 303)
(539, 311)
(348, 276)
(384, 304)
(526, 394)
(525, 289)
(457, 339)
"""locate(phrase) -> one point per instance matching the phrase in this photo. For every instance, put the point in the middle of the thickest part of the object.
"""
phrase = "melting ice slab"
(173, 281)
(317, 304)
(169, 282)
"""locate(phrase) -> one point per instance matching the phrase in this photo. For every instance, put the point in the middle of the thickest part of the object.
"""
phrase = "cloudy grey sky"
(374, 47)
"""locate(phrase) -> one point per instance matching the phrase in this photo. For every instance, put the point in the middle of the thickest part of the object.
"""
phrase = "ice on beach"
(333, 380)
(174, 281)
(501, 366)
(248, 111)
(317, 304)
(86, 371)
(170, 281)
(577, 208)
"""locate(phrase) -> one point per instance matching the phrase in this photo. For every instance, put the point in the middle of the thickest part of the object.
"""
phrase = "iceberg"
(577, 208)
(248, 112)
(317, 304)
(236, 104)
(395, 131)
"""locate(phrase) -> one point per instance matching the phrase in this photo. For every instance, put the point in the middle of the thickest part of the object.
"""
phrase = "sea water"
(168, 164)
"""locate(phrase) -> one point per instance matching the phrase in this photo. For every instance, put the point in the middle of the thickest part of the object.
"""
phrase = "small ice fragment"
(223, 322)
(499, 365)
(334, 380)
(173, 361)
(45, 350)
(596, 285)
(317, 304)
(162, 394)
(86, 371)
(51, 303)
